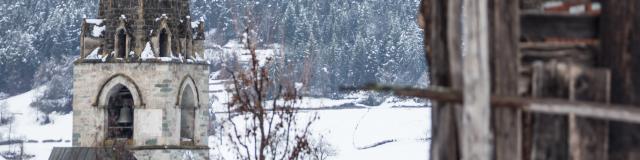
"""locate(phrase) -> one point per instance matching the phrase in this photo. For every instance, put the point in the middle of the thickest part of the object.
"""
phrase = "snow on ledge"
(94, 21)
(147, 53)
(94, 54)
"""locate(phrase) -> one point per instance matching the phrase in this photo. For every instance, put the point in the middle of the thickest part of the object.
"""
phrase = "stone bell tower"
(141, 82)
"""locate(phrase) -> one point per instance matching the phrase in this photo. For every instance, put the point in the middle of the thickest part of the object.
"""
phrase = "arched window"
(164, 43)
(187, 114)
(120, 113)
(122, 44)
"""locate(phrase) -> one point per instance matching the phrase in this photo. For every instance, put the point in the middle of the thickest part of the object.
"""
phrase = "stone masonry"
(156, 89)
(142, 21)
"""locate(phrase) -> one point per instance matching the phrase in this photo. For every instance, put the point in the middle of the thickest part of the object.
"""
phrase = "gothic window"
(121, 44)
(120, 113)
(164, 43)
(187, 114)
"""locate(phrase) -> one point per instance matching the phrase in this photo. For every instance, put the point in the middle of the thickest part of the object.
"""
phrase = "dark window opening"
(164, 42)
(122, 44)
(120, 114)
(188, 50)
(187, 115)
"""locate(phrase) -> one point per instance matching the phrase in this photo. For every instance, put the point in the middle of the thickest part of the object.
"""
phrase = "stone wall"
(156, 90)
(141, 19)
(171, 154)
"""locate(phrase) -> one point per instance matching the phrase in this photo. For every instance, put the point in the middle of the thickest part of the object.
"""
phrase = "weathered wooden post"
(475, 119)
(444, 145)
(504, 19)
(460, 132)
(619, 30)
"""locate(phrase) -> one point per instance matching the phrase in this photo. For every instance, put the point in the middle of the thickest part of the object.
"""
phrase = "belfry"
(140, 82)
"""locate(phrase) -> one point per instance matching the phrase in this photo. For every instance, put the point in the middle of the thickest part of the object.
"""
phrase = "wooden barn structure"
(532, 80)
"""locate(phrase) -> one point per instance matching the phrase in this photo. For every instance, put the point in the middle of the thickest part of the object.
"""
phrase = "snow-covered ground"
(354, 131)
(397, 128)
(26, 127)
(349, 131)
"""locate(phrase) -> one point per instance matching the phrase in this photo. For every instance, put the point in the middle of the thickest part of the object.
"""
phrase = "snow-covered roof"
(95, 27)
(195, 24)
(94, 54)
(97, 31)
(94, 21)
(164, 16)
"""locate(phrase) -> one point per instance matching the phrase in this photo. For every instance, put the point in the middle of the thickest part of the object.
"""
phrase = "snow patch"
(147, 53)
(98, 30)
(195, 24)
(94, 54)
(166, 59)
(26, 126)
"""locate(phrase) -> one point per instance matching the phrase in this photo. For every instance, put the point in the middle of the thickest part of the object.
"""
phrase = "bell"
(125, 115)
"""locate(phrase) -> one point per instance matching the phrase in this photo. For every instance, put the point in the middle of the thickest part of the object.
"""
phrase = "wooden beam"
(587, 110)
(504, 19)
(444, 70)
(619, 29)
(622, 113)
(547, 132)
(475, 118)
(588, 137)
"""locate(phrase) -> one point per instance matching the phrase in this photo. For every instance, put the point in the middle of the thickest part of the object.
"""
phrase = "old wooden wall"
(444, 51)
(565, 71)
(620, 36)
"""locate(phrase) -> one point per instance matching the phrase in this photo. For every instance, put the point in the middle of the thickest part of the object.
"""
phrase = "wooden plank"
(540, 26)
(589, 110)
(620, 53)
(565, 52)
(622, 113)
(504, 17)
(548, 132)
(588, 138)
(444, 131)
(475, 120)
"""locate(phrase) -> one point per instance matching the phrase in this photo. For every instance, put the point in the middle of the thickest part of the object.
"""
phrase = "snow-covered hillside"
(39, 139)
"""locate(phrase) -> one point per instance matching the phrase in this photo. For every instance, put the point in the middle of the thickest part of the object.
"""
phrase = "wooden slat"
(539, 26)
(548, 134)
(444, 144)
(475, 118)
(620, 52)
(588, 137)
(622, 113)
(504, 45)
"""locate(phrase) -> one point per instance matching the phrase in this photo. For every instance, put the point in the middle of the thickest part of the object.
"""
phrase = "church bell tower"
(141, 81)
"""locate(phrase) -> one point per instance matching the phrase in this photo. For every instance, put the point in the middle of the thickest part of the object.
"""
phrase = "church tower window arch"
(188, 103)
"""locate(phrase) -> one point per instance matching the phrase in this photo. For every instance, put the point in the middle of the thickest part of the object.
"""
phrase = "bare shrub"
(262, 121)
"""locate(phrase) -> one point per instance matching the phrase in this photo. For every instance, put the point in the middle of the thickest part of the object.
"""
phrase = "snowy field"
(351, 132)
(26, 127)
(354, 132)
